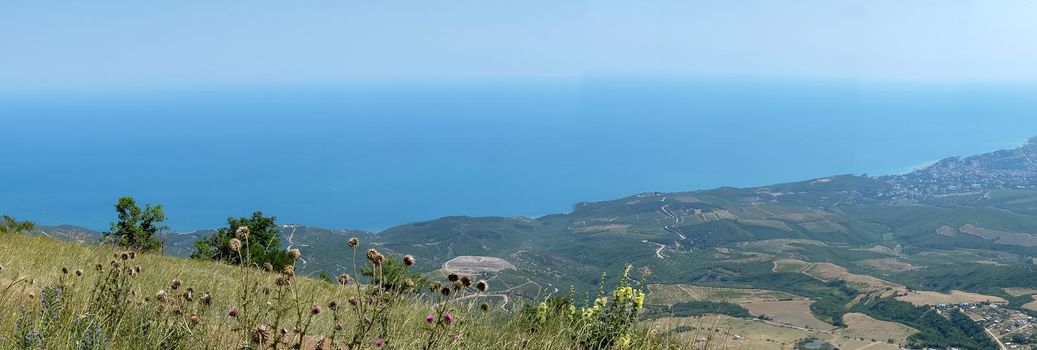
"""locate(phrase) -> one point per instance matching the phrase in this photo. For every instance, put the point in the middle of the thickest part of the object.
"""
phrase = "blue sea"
(375, 155)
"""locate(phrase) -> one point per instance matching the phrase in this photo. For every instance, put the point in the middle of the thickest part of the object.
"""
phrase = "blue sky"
(106, 44)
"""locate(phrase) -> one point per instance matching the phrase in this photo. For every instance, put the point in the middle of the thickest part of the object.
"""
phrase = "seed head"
(354, 242)
(161, 295)
(124, 256)
(294, 253)
(282, 279)
(343, 279)
(333, 305)
(315, 309)
(484, 306)
(289, 270)
(235, 245)
(175, 284)
(375, 257)
(268, 267)
(64, 270)
(408, 260)
(136, 269)
(261, 334)
(482, 285)
(233, 312)
(445, 291)
(241, 232)
(458, 286)
(194, 319)
(453, 277)
(352, 301)
(409, 283)
(206, 298)
(133, 254)
(466, 281)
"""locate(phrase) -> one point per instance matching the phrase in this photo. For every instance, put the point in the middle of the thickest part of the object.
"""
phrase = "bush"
(257, 241)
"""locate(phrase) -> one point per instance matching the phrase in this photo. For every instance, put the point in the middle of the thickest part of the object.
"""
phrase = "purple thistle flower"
(430, 318)
(448, 318)
(379, 342)
(233, 312)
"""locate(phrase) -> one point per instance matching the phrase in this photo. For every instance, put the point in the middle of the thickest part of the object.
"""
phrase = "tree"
(393, 275)
(137, 228)
(259, 246)
(10, 225)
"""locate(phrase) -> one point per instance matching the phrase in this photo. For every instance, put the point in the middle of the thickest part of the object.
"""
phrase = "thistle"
(242, 232)
(294, 253)
(343, 279)
(375, 257)
(354, 242)
(482, 286)
(235, 245)
(408, 260)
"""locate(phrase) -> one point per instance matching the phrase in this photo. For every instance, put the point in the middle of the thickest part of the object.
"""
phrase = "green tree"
(261, 245)
(394, 274)
(10, 225)
(137, 228)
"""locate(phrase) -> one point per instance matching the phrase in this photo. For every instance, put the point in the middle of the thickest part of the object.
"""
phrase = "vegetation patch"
(921, 298)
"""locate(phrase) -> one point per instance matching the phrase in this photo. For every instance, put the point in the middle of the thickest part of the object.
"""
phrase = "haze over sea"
(375, 155)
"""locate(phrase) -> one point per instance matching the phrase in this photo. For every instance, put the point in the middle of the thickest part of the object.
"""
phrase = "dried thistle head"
(343, 279)
(353, 301)
(282, 279)
(242, 232)
(268, 267)
(333, 305)
(466, 281)
(354, 242)
(445, 291)
(409, 283)
(64, 270)
(79, 272)
(375, 257)
(458, 286)
(482, 285)
(235, 245)
(174, 284)
(294, 253)
(408, 260)
(289, 270)
(206, 298)
(160, 295)
(260, 335)
(194, 319)
(453, 277)
(124, 256)
(315, 309)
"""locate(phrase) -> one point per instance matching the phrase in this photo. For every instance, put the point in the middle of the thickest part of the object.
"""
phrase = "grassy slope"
(41, 259)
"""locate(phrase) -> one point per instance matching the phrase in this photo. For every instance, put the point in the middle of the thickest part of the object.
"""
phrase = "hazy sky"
(105, 44)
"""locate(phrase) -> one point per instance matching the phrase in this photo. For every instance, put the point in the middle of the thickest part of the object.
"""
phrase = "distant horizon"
(571, 113)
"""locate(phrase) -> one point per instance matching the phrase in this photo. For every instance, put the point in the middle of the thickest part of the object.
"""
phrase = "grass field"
(793, 312)
(862, 326)
(668, 294)
(31, 265)
(755, 334)
(954, 297)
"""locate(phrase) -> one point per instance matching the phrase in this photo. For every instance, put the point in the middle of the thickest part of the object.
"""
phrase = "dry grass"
(792, 312)
(669, 294)
(862, 326)
(40, 260)
(755, 334)
(954, 297)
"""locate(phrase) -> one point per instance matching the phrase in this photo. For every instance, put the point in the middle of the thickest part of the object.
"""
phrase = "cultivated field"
(793, 312)
(755, 334)
(954, 297)
(669, 294)
(862, 326)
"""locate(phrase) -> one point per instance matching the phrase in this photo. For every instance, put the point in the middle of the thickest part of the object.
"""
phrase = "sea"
(373, 155)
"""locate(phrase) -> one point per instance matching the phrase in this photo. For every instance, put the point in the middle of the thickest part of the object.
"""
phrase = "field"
(792, 312)
(1016, 292)
(862, 326)
(165, 307)
(668, 294)
(954, 297)
(755, 334)
(790, 265)
(864, 283)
